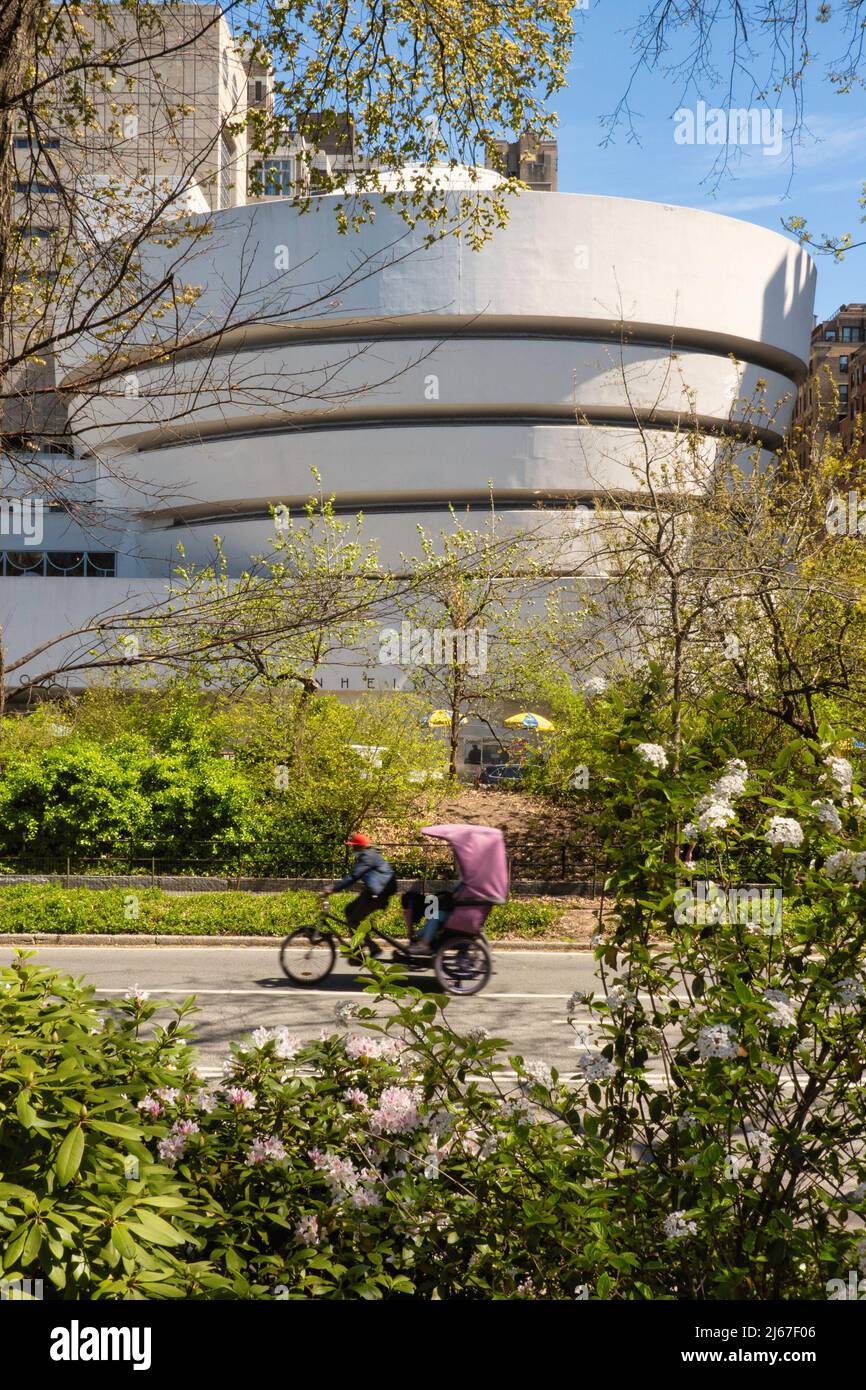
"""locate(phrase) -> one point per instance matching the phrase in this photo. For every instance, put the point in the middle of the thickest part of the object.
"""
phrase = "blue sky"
(822, 182)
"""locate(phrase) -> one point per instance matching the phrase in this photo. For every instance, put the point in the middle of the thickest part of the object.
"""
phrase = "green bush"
(268, 784)
(49, 908)
(356, 1166)
(85, 1202)
(79, 798)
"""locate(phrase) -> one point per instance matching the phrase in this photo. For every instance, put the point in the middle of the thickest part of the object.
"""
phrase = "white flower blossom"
(841, 771)
(618, 997)
(653, 754)
(846, 864)
(287, 1045)
(594, 1066)
(784, 832)
(136, 995)
(850, 990)
(678, 1227)
(397, 1111)
(307, 1230)
(596, 685)
(239, 1097)
(346, 1009)
(827, 814)
(714, 814)
(267, 1150)
(539, 1072)
(690, 831)
(717, 1041)
(783, 1013)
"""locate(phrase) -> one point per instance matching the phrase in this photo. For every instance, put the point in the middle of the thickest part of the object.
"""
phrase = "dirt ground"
(518, 815)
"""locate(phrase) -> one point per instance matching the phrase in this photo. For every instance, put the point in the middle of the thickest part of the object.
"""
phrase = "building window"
(101, 565)
(852, 335)
(260, 91)
(54, 564)
(23, 142)
(843, 363)
(23, 562)
(225, 173)
(843, 398)
(829, 335)
(34, 186)
(277, 177)
(66, 563)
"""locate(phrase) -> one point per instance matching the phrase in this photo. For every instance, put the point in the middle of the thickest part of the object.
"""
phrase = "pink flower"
(307, 1230)
(267, 1150)
(356, 1097)
(150, 1106)
(397, 1112)
(173, 1147)
(240, 1098)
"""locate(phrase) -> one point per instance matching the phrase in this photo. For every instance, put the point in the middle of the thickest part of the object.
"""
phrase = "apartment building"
(530, 159)
(168, 120)
(825, 399)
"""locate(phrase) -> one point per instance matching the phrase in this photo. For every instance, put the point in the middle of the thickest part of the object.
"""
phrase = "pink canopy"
(480, 854)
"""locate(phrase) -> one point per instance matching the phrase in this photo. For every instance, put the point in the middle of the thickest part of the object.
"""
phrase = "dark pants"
(366, 903)
(361, 907)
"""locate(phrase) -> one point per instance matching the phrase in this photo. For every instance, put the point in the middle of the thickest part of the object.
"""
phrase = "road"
(239, 989)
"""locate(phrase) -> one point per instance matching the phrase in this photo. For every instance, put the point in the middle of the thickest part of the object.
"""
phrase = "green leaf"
(153, 1228)
(116, 1130)
(25, 1112)
(69, 1156)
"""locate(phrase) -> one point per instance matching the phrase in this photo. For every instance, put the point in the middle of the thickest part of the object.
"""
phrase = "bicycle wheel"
(307, 956)
(463, 964)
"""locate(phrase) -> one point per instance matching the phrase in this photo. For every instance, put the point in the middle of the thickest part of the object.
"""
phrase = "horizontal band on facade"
(515, 500)
(432, 415)
(465, 328)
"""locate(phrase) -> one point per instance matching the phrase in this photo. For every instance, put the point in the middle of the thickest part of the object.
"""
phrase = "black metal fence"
(550, 861)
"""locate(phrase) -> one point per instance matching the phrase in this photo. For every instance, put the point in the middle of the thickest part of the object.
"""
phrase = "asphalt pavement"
(238, 989)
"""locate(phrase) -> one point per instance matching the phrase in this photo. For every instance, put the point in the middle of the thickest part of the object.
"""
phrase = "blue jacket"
(369, 867)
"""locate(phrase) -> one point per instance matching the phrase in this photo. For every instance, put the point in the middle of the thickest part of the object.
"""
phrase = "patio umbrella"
(440, 719)
(529, 721)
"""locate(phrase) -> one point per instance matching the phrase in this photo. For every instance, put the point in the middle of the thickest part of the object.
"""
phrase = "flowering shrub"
(710, 1142)
(86, 1203)
(733, 1121)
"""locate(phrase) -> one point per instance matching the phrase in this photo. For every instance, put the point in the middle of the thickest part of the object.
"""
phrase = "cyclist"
(377, 878)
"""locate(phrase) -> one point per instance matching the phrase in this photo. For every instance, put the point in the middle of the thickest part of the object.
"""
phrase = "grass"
(48, 908)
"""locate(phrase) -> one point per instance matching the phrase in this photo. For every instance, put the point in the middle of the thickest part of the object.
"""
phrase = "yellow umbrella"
(529, 721)
(440, 719)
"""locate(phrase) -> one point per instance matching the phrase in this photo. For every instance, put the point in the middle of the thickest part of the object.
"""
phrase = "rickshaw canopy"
(480, 854)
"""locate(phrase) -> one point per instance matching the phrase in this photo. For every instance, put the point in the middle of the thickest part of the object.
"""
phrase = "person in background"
(474, 754)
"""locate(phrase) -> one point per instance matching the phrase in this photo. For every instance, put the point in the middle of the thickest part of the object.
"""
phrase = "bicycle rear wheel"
(307, 956)
(463, 964)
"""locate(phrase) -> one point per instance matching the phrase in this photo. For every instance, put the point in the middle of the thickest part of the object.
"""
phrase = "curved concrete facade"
(412, 377)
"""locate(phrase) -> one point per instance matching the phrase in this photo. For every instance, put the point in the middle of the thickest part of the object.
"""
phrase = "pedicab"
(459, 952)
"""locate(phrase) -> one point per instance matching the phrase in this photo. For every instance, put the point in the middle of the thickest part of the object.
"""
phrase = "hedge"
(124, 911)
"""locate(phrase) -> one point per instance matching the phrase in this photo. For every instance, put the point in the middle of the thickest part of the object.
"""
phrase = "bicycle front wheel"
(307, 956)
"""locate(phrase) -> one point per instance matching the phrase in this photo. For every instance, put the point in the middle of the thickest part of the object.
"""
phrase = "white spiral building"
(413, 378)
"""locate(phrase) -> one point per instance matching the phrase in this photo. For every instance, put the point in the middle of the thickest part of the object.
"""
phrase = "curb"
(139, 939)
